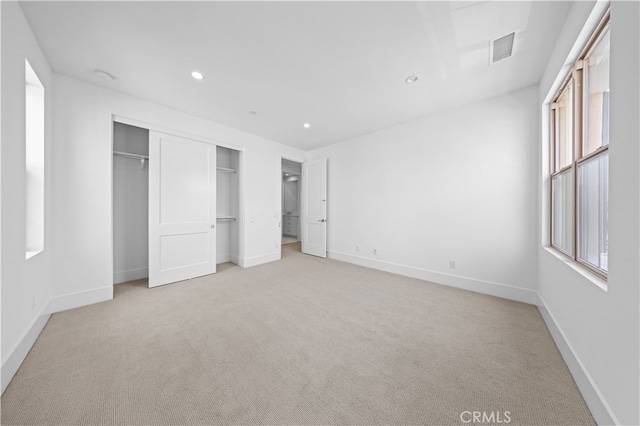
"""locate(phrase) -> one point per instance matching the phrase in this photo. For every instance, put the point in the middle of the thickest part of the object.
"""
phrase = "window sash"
(563, 128)
(562, 211)
(592, 217)
(596, 104)
(566, 187)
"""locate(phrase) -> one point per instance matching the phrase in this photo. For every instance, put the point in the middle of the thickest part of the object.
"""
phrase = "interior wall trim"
(130, 275)
(248, 262)
(602, 413)
(18, 353)
(504, 291)
(80, 298)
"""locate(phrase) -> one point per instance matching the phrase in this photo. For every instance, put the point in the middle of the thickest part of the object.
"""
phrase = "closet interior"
(227, 205)
(130, 203)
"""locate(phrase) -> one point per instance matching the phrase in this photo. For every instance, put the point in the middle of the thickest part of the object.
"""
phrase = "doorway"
(291, 191)
(130, 203)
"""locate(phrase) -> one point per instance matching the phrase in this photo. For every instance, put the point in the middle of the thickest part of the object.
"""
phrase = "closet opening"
(227, 207)
(151, 173)
(291, 187)
(130, 205)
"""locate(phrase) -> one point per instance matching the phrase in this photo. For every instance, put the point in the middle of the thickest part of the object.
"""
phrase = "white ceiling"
(341, 66)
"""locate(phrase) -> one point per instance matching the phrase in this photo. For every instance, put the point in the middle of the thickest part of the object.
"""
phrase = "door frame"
(280, 187)
(115, 118)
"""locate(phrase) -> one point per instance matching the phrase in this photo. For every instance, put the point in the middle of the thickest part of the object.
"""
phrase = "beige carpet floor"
(288, 240)
(300, 341)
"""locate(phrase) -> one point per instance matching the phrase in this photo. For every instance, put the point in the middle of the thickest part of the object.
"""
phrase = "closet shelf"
(224, 169)
(226, 218)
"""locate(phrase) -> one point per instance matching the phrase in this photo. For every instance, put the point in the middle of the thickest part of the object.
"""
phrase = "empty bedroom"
(320, 212)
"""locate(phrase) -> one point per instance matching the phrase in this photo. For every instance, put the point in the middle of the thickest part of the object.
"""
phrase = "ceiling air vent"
(502, 48)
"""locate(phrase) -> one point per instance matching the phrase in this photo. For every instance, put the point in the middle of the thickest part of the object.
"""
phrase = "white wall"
(26, 284)
(459, 185)
(598, 331)
(130, 205)
(82, 184)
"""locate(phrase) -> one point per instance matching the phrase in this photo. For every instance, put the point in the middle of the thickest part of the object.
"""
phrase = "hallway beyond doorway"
(288, 240)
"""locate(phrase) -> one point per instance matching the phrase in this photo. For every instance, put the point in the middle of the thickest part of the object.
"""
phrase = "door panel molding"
(182, 208)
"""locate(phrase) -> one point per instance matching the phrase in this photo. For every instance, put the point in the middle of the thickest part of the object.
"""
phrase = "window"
(34, 162)
(580, 157)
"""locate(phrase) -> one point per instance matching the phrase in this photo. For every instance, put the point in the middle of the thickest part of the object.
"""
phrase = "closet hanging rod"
(129, 155)
(226, 218)
(224, 169)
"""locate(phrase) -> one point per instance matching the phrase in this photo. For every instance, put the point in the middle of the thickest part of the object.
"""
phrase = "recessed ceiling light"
(286, 174)
(103, 75)
(411, 79)
(197, 75)
(252, 112)
(306, 125)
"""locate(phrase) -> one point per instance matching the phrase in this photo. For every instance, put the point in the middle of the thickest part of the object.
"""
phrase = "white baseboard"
(81, 298)
(248, 262)
(19, 352)
(130, 275)
(593, 397)
(479, 286)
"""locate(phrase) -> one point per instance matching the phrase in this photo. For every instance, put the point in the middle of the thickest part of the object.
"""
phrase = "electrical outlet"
(453, 264)
(375, 252)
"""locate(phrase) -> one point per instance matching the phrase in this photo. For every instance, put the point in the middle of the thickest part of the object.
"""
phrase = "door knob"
(212, 226)
(322, 220)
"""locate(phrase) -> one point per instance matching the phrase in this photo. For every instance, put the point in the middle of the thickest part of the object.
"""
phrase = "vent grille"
(502, 47)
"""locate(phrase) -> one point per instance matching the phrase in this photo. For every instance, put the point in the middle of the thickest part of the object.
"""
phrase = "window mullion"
(593, 154)
(562, 170)
(576, 148)
(554, 136)
(553, 163)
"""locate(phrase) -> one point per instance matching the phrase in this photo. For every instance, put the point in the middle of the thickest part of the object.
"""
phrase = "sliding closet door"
(182, 209)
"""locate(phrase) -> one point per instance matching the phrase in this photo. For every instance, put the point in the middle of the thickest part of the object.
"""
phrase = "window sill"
(595, 279)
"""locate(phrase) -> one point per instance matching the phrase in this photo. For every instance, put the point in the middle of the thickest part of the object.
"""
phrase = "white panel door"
(182, 209)
(314, 207)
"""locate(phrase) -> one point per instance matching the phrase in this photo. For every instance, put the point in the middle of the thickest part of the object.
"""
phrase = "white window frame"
(576, 78)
